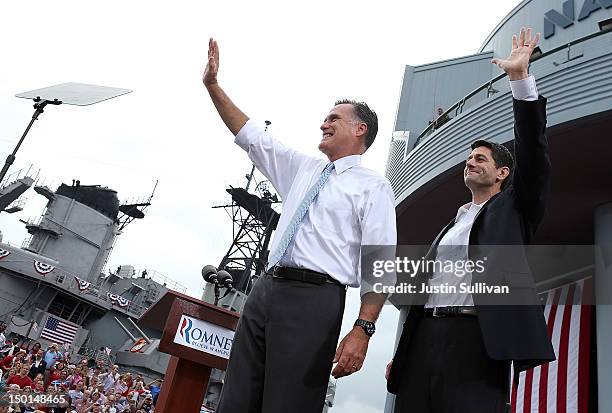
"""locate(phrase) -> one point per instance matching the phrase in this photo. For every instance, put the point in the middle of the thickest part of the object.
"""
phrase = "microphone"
(225, 279)
(209, 273)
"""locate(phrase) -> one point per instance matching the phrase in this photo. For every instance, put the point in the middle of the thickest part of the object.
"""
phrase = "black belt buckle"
(452, 311)
(437, 313)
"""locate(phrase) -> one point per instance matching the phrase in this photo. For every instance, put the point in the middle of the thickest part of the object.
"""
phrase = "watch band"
(368, 327)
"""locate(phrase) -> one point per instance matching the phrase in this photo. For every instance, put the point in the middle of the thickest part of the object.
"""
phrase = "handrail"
(458, 106)
(66, 279)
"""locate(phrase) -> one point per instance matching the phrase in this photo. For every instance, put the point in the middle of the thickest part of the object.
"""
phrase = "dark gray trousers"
(283, 349)
(449, 371)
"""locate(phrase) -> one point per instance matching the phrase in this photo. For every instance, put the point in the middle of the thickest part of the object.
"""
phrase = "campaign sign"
(204, 336)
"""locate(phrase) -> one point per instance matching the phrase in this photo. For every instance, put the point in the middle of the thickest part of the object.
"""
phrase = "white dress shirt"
(454, 244)
(454, 247)
(355, 207)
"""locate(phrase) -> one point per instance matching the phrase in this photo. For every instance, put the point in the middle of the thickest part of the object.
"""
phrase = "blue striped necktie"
(298, 217)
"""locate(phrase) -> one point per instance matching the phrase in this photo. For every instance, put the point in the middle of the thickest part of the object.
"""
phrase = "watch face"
(367, 326)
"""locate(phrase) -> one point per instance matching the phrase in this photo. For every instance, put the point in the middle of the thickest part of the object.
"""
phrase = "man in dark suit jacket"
(455, 351)
(38, 364)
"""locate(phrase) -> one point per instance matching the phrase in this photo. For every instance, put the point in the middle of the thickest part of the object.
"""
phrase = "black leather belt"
(451, 311)
(304, 275)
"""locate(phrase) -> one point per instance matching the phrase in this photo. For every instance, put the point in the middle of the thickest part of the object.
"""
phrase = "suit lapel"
(434, 245)
(479, 214)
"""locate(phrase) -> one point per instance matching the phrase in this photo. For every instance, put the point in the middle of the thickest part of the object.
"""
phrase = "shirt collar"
(465, 208)
(346, 162)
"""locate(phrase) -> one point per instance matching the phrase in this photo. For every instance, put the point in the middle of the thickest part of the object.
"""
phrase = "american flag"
(563, 385)
(59, 330)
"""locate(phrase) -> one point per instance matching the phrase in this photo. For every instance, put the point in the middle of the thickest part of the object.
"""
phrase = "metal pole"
(39, 106)
(139, 330)
(124, 328)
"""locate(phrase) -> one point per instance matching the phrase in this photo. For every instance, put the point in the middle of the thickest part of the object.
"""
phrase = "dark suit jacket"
(35, 370)
(510, 332)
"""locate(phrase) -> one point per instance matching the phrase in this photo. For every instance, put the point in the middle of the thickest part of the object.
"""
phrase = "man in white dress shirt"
(284, 346)
(455, 351)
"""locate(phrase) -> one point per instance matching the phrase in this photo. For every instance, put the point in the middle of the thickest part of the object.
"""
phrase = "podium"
(198, 336)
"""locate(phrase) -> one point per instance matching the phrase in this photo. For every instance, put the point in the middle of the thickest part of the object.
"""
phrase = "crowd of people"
(46, 381)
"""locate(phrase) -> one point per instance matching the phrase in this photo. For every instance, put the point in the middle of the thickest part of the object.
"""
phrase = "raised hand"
(517, 64)
(212, 67)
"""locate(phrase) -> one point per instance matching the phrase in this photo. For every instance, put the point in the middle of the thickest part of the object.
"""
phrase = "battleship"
(56, 286)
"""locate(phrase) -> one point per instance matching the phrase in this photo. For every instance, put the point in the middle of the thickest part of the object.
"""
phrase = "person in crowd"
(146, 404)
(39, 386)
(55, 373)
(32, 352)
(52, 355)
(11, 347)
(97, 369)
(155, 387)
(78, 376)
(21, 378)
(80, 404)
(78, 392)
(7, 362)
(110, 378)
(38, 364)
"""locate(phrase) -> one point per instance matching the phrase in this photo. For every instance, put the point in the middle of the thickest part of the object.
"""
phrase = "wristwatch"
(367, 326)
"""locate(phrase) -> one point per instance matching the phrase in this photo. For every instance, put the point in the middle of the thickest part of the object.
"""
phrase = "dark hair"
(366, 115)
(501, 156)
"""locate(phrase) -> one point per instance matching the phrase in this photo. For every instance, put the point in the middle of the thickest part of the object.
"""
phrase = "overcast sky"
(286, 62)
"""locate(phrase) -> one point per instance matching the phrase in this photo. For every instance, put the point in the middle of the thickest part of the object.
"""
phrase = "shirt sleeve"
(278, 163)
(378, 239)
(524, 89)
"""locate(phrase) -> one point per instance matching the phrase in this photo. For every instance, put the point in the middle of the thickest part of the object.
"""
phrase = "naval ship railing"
(67, 280)
(494, 86)
(31, 171)
(23, 262)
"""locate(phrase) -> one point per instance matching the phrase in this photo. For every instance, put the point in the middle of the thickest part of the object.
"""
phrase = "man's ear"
(362, 129)
(503, 173)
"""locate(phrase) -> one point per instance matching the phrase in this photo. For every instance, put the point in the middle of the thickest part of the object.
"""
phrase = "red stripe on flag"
(563, 352)
(584, 349)
(527, 397)
(550, 324)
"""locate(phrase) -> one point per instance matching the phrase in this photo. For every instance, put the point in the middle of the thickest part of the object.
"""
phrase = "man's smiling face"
(339, 131)
(480, 169)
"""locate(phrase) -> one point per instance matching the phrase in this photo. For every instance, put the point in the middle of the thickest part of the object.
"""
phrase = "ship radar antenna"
(254, 219)
(134, 210)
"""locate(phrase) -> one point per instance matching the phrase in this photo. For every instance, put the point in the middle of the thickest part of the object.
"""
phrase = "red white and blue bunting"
(4, 253)
(117, 299)
(82, 284)
(42, 268)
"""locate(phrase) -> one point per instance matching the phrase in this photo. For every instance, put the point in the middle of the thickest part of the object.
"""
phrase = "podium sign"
(199, 337)
(204, 336)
